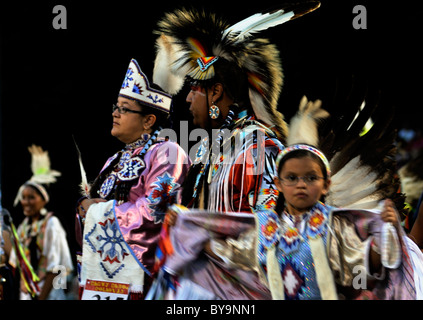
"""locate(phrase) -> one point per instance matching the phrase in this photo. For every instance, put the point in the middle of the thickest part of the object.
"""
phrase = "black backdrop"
(59, 83)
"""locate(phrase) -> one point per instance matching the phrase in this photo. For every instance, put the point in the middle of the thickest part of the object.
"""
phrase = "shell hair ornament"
(41, 173)
(303, 132)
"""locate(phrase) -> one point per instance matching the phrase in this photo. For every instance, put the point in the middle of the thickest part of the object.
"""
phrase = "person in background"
(6, 275)
(40, 237)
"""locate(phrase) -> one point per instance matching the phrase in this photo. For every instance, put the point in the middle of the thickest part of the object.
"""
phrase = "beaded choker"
(134, 145)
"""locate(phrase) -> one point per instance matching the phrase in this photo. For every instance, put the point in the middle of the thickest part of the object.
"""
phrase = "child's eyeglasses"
(292, 180)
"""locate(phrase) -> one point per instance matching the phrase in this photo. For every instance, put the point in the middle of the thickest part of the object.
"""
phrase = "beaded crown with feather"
(192, 41)
(41, 172)
(40, 166)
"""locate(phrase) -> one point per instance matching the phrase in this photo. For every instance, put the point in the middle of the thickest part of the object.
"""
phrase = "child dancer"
(309, 250)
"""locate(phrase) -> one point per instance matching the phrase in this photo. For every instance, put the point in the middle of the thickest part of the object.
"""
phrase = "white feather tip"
(162, 73)
(303, 126)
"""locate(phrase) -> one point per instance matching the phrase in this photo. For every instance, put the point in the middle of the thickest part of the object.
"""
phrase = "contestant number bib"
(105, 290)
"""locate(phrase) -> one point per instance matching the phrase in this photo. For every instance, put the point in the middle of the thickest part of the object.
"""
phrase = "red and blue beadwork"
(214, 112)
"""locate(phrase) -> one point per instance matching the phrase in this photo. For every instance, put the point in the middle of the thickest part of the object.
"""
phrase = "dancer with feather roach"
(235, 81)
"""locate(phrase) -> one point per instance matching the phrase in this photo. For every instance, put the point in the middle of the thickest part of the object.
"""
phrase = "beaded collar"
(134, 145)
(295, 219)
(315, 218)
(129, 167)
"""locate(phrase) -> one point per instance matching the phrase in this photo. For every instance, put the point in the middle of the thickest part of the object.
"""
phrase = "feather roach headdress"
(192, 43)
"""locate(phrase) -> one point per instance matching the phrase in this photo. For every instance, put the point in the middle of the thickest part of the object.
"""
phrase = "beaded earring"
(145, 136)
(214, 111)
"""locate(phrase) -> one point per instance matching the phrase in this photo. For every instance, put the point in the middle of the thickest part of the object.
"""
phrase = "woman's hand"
(86, 203)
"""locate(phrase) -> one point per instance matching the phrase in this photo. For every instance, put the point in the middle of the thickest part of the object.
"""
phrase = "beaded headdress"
(191, 43)
(41, 173)
(136, 86)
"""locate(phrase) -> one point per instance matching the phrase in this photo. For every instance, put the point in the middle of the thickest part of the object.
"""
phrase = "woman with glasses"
(121, 214)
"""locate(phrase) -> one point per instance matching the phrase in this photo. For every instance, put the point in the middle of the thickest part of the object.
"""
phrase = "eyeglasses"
(292, 180)
(123, 110)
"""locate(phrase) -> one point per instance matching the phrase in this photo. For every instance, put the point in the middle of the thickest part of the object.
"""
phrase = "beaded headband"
(313, 150)
(35, 185)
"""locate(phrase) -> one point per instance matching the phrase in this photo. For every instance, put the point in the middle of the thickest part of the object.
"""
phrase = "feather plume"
(257, 22)
(84, 185)
(40, 166)
(411, 175)
(303, 126)
(265, 78)
(261, 21)
(169, 81)
(353, 185)
(363, 165)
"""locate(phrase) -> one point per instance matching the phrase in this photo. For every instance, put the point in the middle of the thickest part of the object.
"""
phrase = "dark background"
(59, 83)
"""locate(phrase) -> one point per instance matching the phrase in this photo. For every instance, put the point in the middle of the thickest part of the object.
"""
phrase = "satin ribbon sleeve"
(355, 233)
(194, 228)
(140, 219)
(237, 252)
(346, 250)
